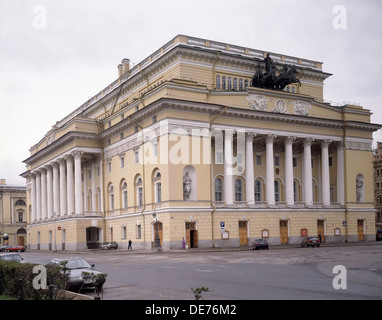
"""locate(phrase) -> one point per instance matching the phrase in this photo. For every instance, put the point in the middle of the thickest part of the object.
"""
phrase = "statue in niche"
(359, 188)
(186, 186)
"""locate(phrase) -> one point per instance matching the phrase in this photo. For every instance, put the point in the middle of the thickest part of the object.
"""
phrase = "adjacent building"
(13, 214)
(378, 185)
(187, 145)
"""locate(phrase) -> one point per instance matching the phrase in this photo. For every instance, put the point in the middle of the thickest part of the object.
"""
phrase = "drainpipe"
(345, 174)
(211, 184)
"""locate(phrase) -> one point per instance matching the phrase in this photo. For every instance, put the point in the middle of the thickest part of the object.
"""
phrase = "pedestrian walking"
(130, 247)
(183, 243)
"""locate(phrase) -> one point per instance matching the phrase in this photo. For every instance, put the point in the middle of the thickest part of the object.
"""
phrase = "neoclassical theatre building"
(208, 142)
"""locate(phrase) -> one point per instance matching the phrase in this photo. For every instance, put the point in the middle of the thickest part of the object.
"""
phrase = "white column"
(33, 196)
(49, 192)
(44, 208)
(249, 173)
(38, 196)
(93, 200)
(63, 190)
(78, 183)
(228, 167)
(70, 184)
(269, 170)
(308, 188)
(325, 179)
(56, 190)
(289, 194)
(340, 174)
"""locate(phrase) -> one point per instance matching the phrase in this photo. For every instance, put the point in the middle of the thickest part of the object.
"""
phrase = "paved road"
(293, 273)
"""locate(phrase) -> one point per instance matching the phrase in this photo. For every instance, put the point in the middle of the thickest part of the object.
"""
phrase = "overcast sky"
(55, 54)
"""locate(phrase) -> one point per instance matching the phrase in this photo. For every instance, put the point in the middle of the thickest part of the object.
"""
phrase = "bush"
(14, 274)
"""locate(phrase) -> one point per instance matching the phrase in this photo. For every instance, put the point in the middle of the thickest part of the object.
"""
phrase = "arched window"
(223, 82)
(229, 83)
(157, 186)
(218, 189)
(258, 190)
(111, 197)
(240, 84)
(217, 82)
(139, 191)
(20, 203)
(124, 195)
(239, 190)
(234, 83)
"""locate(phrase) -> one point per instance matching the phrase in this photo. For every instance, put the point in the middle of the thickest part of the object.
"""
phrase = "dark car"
(11, 257)
(80, 274)
(310, 242)
(260, 244)
(379, 235)
(109, 245)
(13, 248)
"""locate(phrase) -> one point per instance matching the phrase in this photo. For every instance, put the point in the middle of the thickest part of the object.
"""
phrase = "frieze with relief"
(262, 103)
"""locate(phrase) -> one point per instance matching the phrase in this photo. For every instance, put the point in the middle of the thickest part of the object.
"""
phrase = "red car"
(14, 249)
(310, 242)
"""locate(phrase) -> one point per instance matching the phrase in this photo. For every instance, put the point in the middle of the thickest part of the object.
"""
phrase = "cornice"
(60, 143)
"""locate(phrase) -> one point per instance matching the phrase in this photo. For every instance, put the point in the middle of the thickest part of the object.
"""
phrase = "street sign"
(222, 226)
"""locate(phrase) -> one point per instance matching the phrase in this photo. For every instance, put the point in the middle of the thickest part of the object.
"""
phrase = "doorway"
(191, 235)
(157, 233)
(321, 229)
(360, 230)
(243, 233)
(284, 231)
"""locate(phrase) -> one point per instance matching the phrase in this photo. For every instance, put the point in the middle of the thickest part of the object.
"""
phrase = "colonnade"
(307, 189)
(56, 188)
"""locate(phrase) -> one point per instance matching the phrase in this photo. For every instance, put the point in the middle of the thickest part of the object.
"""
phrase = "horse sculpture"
(269, 80)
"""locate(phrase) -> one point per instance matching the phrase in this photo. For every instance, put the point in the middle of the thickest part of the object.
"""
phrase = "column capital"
(249, 136)
(308, 142)
(325, 143)
(289, 140)
(77, 154)
(340, 145)
(68, 157)
(270, 138)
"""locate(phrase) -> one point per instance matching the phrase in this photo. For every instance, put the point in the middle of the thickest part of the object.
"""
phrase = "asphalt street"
(277, 274)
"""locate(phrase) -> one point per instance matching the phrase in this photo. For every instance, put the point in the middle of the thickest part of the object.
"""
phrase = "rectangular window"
(295, 162)
(124, 232)
(139, 232)
(136, 156)
(259, 160)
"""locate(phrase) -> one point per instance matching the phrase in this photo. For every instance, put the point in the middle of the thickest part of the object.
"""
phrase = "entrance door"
(158, 232)
(191, 235)
(321, 229)
(243, 233)
(360, 229)
(284, 231)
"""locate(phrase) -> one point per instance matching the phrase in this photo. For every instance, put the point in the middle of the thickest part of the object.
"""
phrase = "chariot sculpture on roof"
(269, 80)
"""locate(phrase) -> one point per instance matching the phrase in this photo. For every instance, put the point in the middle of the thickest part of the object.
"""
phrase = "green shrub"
(13, 274)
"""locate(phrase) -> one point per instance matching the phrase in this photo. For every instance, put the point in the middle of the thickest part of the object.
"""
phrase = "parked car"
(11, 257)
(13, 248)
(80, 274)
(109, 245)
(379, 235)
(310, 242)
(260, 244)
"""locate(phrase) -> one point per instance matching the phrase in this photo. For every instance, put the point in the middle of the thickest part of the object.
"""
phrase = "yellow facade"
(182, 144)
(13, 214)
